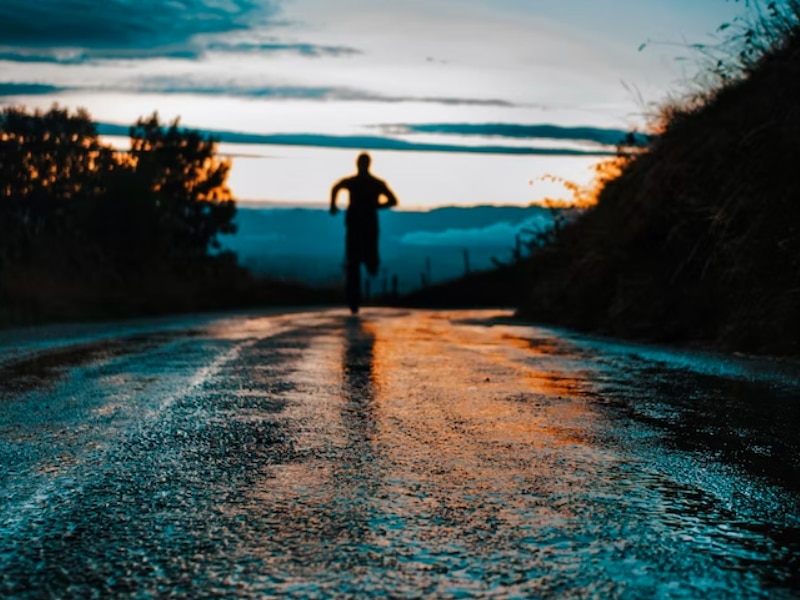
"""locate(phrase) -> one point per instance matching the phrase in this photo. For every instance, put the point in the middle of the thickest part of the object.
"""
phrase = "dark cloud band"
(369, 143)
(86, 31)
(165, 85)
(191, 50)
(122, 24)
(59, 56)
(340, 94)
(303, 49)
(28, 89)
(605, 137)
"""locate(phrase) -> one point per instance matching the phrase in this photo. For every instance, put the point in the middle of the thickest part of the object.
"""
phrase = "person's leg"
(352, 273)
(353, 285)
(371, 259)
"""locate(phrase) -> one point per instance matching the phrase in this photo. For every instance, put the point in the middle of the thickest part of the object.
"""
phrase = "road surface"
(401, 454)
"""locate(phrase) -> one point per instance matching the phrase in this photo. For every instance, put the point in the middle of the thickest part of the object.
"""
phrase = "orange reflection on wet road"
(469, 387)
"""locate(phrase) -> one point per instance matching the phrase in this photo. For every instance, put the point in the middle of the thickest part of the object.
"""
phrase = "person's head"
(363, 162)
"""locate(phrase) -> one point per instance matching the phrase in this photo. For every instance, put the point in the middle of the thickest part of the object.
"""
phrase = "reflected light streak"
(471, 403)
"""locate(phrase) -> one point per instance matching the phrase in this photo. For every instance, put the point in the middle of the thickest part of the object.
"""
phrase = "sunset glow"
(461, 103)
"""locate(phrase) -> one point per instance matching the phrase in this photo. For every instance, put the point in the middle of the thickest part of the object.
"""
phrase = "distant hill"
(308, 244)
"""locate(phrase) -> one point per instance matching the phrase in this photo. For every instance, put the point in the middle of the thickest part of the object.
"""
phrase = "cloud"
(31, 57)
(303, 49)
(606, 137)
(495, 235)
(367, 142)
(171, 85)
(71, 56)
(190, 50)
(86, 31)
(124, 24)
(28, 89)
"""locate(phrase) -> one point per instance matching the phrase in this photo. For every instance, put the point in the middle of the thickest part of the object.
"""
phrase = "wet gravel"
(400, 454)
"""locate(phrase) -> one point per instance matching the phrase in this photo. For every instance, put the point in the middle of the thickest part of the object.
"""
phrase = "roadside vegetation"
(87, 231)
(698, 236)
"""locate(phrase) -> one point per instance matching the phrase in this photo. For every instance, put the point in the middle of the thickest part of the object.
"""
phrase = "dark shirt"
(365, 190)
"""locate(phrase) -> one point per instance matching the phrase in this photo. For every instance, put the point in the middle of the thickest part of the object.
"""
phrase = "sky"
(460, 102)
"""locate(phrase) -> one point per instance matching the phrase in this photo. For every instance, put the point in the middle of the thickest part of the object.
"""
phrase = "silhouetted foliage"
(698, 238)
(74, 210)
(50, 166)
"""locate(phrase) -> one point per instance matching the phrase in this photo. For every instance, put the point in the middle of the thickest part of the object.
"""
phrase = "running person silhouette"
(361, 224)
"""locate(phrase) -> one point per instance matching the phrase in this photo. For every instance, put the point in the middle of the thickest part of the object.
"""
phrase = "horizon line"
(317, 205)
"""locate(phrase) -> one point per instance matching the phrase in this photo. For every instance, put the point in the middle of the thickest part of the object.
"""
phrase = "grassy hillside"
(699, 237)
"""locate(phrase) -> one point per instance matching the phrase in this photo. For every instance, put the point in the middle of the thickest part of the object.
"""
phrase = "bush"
(82, 220)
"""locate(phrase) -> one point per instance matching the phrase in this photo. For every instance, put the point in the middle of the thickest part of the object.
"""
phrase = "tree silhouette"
(70, 202)
(192, 203)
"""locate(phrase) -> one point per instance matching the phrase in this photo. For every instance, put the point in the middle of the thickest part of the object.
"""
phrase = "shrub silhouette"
(73, 208)
(699, 236)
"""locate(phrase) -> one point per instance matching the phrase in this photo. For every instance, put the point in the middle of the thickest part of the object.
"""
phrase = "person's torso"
(365, 191)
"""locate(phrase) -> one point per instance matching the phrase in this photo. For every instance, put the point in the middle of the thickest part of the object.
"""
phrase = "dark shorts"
(361, 246)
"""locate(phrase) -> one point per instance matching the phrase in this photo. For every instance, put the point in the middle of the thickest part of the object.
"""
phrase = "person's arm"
(391, 199)
(335, 192)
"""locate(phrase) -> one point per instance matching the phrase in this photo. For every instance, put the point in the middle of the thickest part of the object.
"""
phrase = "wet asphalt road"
(400, 454)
